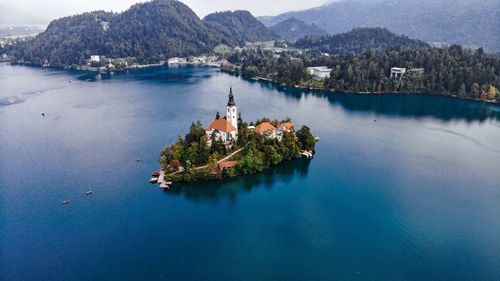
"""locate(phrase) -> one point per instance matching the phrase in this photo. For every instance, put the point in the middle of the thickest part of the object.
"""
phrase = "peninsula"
(231, 147)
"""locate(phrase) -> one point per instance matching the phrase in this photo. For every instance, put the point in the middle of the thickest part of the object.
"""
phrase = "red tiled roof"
(227, 164)
(222, 125)
(287, 126)
(264, 127)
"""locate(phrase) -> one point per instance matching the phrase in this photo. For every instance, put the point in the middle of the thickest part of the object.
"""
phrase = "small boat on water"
(155, 174)
(88, 192)
(316, 139)
(65, 202)
(153, 180)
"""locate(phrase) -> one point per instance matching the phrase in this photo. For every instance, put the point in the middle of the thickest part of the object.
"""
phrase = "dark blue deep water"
(412, 196)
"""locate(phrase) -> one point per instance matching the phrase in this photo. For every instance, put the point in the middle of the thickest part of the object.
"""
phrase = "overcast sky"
(31, 11)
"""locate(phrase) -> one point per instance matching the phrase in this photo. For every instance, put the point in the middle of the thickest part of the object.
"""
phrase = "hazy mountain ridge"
(359, 40)
(293, 29)
(470, 23)
(20, 30)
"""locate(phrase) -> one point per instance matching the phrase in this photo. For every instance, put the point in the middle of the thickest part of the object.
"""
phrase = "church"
(226, 128)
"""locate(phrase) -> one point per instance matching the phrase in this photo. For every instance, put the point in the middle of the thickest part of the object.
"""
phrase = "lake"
(402, 187)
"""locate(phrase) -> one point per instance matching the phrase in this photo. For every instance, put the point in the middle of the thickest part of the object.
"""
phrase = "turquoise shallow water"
(414, 195)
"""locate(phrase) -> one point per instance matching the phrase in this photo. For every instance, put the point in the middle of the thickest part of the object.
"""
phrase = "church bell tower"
(232, 110)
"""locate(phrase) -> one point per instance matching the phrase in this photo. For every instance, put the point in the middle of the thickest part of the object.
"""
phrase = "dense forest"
(239, 25)
(149, 31)
(358, 40)
(199, 161)
(447, 71)
(293, 29)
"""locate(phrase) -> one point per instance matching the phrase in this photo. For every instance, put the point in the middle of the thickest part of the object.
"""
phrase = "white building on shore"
(95, 59)
(320, 72)
(397, 72)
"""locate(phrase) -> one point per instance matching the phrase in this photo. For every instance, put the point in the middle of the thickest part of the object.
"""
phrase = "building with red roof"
(286, 127)
(225, 129)
(267, 129)
(227, 165)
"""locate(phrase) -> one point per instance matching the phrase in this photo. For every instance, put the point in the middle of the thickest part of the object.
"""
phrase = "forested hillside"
(447, 71)
(358, 40)
(239, 25)
(293, 29)
(149, 31)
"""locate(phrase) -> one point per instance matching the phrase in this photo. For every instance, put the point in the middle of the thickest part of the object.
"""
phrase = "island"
(231, 147)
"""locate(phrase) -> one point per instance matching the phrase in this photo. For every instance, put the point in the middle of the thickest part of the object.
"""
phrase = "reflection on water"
(412, 196)
(160, 75)
(405, 105)
(232, 188)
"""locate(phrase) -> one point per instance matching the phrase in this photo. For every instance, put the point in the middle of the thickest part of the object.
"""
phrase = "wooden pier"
(161, 181)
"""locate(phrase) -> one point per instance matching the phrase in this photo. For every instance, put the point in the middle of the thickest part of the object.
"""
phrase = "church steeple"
(231, 97)
(232, 111)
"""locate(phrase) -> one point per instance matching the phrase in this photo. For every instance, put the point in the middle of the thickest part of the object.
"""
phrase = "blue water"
(414, 195)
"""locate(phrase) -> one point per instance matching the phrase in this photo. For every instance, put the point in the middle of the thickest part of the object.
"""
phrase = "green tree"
(166, 157)
(288, 147)
(272, 157)
(218, 146)
(462, 92)
(196, 132)
(475, 90)
(203, 151)
(306, 139)
(192, 153)
(492, 92)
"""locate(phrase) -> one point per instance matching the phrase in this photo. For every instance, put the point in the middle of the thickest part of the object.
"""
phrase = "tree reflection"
(402, 105)
(232, 188)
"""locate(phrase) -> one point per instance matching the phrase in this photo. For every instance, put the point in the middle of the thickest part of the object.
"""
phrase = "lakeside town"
(217, 58)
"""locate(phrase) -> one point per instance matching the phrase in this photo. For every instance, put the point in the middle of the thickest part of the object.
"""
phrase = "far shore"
(253, 79)
(97, 70)
(322, 90)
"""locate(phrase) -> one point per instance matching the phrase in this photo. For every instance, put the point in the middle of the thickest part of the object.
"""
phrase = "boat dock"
(307, 154)
(161, 181)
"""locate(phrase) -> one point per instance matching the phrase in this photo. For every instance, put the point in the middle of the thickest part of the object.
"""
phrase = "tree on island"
(306, 139)
(258, 152)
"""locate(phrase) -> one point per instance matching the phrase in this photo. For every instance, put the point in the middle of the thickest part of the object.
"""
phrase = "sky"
(42, 11)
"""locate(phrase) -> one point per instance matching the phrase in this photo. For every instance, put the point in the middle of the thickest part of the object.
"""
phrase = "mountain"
(359, 40)
(148, 31)
(242, 26)
(293, 29)
(161, 27)
(472, 23)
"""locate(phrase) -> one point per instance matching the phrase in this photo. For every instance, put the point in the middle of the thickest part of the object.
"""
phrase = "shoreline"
(173, 181)
(119, 70)
(327, 91)
(252, 79)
